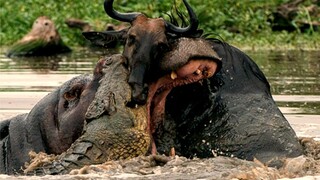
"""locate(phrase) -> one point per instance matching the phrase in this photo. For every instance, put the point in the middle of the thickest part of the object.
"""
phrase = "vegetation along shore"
(246, 24)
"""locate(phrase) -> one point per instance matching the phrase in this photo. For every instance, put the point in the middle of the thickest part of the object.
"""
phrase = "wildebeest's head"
(146, 40)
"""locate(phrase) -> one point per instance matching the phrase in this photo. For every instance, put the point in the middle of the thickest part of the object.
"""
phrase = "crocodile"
(112, 130)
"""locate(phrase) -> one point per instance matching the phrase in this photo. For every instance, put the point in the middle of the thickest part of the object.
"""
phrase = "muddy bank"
(163, 167)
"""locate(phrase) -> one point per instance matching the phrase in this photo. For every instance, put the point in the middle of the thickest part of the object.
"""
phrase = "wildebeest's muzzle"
(139, 88)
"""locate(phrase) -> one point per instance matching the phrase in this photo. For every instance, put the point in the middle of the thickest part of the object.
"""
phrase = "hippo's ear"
(74, 92)
(105, 37)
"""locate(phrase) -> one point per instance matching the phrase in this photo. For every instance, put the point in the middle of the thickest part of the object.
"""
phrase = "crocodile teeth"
(173, 75)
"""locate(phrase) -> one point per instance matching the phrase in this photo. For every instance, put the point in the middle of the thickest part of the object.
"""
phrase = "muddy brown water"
(295, 83)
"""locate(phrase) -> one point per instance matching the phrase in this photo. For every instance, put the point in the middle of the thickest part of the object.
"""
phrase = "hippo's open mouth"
(193, 71)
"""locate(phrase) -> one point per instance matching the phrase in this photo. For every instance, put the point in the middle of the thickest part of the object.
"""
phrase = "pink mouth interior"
(193, 71)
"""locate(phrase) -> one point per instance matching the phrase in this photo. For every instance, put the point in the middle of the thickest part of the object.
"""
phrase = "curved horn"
(191, 28)
(125, 17)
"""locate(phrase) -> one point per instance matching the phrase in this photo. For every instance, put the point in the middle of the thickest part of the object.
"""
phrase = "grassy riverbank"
(242, 23)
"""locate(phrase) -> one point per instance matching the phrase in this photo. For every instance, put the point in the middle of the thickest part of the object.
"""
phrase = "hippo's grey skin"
(52, 125)
(112, 130)
(231, 113)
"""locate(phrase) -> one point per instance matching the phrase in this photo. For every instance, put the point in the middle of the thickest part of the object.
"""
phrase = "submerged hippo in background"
(231, 113)
(42, 40)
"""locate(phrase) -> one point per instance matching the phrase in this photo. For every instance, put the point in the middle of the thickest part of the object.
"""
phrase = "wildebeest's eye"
(163, 47)
(131, 40)
(126, 63)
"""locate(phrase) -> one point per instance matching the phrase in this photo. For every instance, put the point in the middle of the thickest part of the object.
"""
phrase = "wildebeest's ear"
(105, 37)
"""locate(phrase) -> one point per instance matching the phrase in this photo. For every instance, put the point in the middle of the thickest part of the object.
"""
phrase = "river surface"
(294, 77)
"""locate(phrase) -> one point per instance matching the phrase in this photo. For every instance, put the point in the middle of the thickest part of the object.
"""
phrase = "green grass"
(222, 17)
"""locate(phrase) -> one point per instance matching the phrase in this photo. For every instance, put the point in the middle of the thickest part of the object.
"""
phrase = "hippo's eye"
(46, 23)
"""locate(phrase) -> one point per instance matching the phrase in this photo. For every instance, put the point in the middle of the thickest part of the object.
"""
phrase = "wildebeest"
(231, 113)
(145, 42)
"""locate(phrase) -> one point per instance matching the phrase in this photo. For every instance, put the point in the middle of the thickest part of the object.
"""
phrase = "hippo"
(51, 126)
(42, 40)
(230, 113)
(85, 121)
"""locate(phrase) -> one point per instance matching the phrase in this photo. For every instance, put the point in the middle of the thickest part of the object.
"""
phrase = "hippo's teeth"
(197, 72)
(172, 152)
(173, 75)
(209, 74)
(206, 73)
